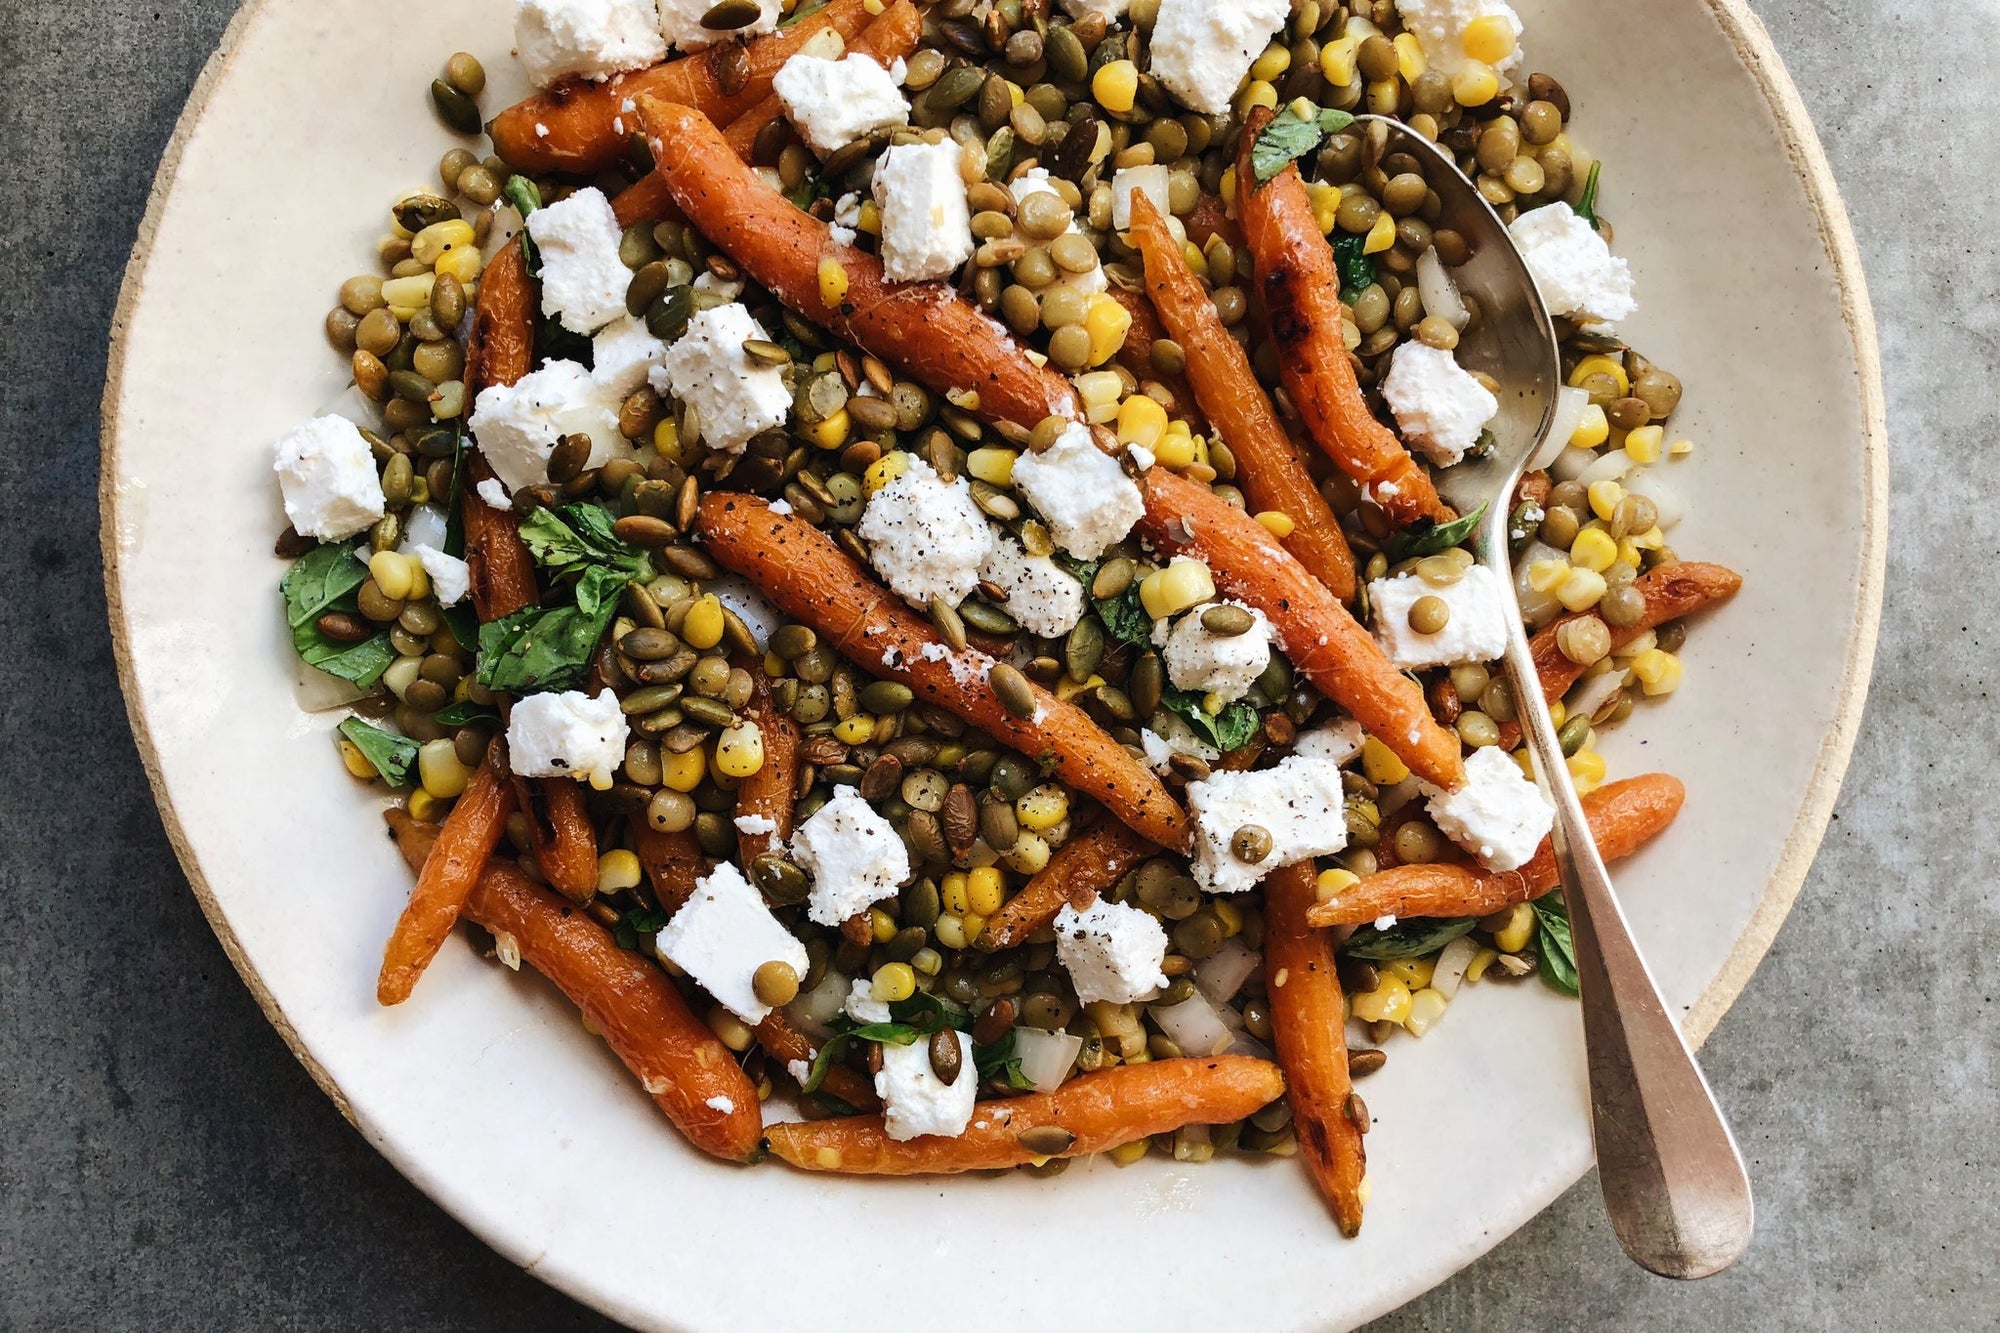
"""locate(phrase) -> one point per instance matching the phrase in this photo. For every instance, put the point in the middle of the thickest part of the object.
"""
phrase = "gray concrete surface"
(164, 1163)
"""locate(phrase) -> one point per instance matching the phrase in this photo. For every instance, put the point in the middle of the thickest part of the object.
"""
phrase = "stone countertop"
(166, 1164)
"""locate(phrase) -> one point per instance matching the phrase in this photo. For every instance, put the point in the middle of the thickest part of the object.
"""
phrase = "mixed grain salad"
(892, 552)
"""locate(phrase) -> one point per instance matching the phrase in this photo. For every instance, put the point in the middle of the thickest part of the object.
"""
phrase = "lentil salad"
(1120, 807)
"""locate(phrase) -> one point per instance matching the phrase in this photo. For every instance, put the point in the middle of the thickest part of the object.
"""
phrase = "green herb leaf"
(521, 193)
(928, 1013)
(999, 1060)
(1586, 204)
(836, 1047)
(1231, 729)
(322, 580)
(576, 537)
(360, 664)
(1288, 138)
(390, 752)
(1437, 537)
(1125, 618)
(1406, 939)
(464, 713)
(1357, 270)
(463, 622)
(1553, 942)
(636, 923)
(541, 647)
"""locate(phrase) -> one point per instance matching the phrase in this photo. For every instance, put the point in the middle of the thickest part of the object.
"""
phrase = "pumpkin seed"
(1113, 577)
(644, 530)
(669, 315)
(1146, 683)
(883, 776)
(764, 351)
(1227, 621)
(1068, 61)
(1016, 695)
(999, 825)
(422, 210)
(886, 696)
(986, 619)
(956, 88)
(566, 460)
(1083, 650)
(647, 286)
(920, 902)
(713, 712)
(779, 879)
(729, 15)
(1047, 1140)
(1364, 1062)
(946, 1055)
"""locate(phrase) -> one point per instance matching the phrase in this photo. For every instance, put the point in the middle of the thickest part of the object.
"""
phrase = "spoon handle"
(1673, 1181)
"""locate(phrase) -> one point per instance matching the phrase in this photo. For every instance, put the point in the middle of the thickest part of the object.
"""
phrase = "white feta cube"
(1440, 406)
(1499, 815)
(1336, 742)
(1226, 664)
(1202, 49)
(915, 1101)
(1089, 502)
(1036, 180)
(492, 492)
(680, 23)
(1041, 595)
(517, 425)
(583, 279)
(567, 735)
(1149, 180)
(1475, 632)
(1299, 804)
(734, 395)
(451, 578)
(1439, 26)
(926, 225)
(862, 1006)
(854, 856)
(1573, 268)
(1111, 951)
(328, 478)
(925, 536)
(593, 39)
(1113, 10)
(722, 934)
(832, 103)
(624, 353)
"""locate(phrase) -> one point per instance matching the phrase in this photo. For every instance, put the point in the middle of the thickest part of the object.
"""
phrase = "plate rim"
(1752, 45)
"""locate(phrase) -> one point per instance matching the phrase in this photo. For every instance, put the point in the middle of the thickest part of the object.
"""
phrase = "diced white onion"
(1194, 1026)
(1451, 965)
(1537, 608)
(812, 1011)
(1220, 975)
(1569, 464)
(319, 691)
(423, 525)
(1592, 694)
(1606, 467)
(1440, 294)
(1569, 412)
(505, 227)
(1045, 1057)
(1392, 798)
(1665, 496)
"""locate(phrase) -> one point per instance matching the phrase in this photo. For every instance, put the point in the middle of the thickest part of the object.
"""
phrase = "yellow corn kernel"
(1141, 420)
(1229, 914)
(1644, 443)
(954, 891)
(1547, 575)
(870, 220)
(1381, 765)
(434, 240)
(1476, 86)
(1107, 323)
(739, 750)
(1330, 884)
(462, 262)
(1680, 448)
(1525, 762)
(1427, 1006)
(617, 870)
(1029, 854)
(881, 925)
(1272, 64)
(1115, 85)
(1415, 973)
(855, 729)
(950, 931)
(667, 439)
(1256, 93)
(1628, 552)
(832, 432)
(884, 469)
(1658, 670)
(413, 291)
(1067, 689)
(1580, 589)
(1604, 498)
(973, 924)
(1127, 1153)
(683, 772)
(1043, 808)
(1389, 1002)
(894, 981)
(1592, 428)
(1410, 59)
(703, 627)
(439, 769)
(1520, 928)
(1601, 364)
(1016, 93)
(1100, 388)
(1652, 539)
(357, 762)
(1489, 38)
(1586, 771)
(1276, 522)
(1337, 60)
(774, 665)
(1325, 200)
(1557, 713)
(426, 808)
(1482, 960)
(1380, 236)
(832, 280)
(992, 465)
(1227, 185)
(392, 574)
(985, 890)
(1182, 584)
(1593, 550)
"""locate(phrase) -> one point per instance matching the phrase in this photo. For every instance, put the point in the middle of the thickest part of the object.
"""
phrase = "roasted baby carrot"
(1088, 1114)
(1300, 288)
(811, 579)
(500, 349)
(470, 833)
(672, 862)
(1084, 867)
(788, 1046)
(1624, 816)
(581, 127)
(1269, 469)
(560, 831)
(889, 38)
(644, 200)
(936, 336)
(1315, 631)
(766, 796)
(1309, 1032)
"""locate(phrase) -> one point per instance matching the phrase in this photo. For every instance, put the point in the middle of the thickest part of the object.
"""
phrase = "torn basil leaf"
(1438, 537)
(390, 753)
(1586, 203)
(1554, 945)
(1231, 729)
(1406, 939)
(1125, 618)
(1289, 137)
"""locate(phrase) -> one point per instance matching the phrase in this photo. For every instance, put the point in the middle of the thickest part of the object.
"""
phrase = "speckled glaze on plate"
(484, 1089)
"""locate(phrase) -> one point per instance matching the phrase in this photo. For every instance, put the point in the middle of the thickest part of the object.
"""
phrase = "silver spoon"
(1673, 1181)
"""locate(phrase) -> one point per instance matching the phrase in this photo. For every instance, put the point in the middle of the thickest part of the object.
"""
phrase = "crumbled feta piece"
(1299, 804)
(1440, 406)
(799, 1070)
(328, 477)
(493, 493)
(1476, 631)
(727, 289)
(1159, 754)
(592, 38)
(1041, 596)
(1573, 268)
(1336, 742)
(1203, 48)
(1499, 815)
(834, 102)
(1113, 10)
(915, 1101)
(1036, 180)
(1111, 951)
(1386, 921)
(926, 226)
(451, 578)
(722, 934)
(734, 395)
(847, 209)
(624, 353)
(854, 856)
(680, 23)
(567, 735)
(1089, 502)
(1150, 180)
(756, 824)
(583, 279)
(1224, 664)
(925, 536)
(1439, 27)
(517, 425)
(862, 1006)
(722, 1104)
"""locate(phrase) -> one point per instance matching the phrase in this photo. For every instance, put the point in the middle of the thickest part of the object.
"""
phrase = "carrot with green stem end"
(1084, 867)
(470, 833)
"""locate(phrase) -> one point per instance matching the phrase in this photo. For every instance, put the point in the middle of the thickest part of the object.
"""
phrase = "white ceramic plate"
(485, 1091)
